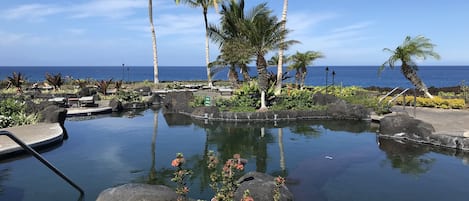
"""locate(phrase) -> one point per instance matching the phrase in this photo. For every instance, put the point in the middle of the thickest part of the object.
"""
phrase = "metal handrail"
(42, 159)
(389, 93)
(395, 97)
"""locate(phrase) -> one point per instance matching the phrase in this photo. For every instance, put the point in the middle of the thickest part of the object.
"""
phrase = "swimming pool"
(323, 160)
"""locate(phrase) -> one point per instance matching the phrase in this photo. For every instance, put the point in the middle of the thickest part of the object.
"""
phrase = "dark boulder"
(116, 105)
(324, 99)
(53, 114)
(138, 192)
(261, 187)
(155, 99)
(343, 110)
(87, 91)
(403, 126)
(144, 91)
(178, 102)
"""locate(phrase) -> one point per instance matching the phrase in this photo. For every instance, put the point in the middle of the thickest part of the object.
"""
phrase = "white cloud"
(114, 9)
(353, 27)
(304, 23)
(33, 12)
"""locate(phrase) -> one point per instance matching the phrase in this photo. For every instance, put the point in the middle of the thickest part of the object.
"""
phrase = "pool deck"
(36, 135)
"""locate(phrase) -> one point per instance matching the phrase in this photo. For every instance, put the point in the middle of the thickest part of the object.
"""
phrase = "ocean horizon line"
(165, 66)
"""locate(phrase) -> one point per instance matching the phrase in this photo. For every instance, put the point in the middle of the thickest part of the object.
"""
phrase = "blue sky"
(112, 32)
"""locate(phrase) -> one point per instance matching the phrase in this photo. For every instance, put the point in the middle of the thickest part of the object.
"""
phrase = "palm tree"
(235, 52)
(16, 80)
(153, 37)
(278, 88)
(273, 61)
(204, 4)
(418, 47)
(55, 80)
(300, 61)
(264, 33)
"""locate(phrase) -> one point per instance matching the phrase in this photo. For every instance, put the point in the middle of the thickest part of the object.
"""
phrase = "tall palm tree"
(264, 33)
(153, 37)
(418, 47)
(278, 88)
(300, 61)
(204, 4)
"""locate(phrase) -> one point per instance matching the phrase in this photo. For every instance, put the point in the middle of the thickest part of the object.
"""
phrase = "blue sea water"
(437, 76)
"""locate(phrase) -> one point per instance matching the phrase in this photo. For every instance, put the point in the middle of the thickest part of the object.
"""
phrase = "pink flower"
(240, 166)
(247, 198)
(175, 163)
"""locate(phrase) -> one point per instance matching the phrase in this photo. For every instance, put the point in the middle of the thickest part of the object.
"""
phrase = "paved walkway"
(445, 121)
(33, 135)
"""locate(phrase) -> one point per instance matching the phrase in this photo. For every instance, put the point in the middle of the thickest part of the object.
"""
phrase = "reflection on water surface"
(322, 160)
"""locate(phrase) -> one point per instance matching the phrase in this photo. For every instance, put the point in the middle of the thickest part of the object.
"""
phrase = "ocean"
(364, 76)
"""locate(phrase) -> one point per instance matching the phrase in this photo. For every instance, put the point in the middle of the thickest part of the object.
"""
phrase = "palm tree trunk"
(278, 88)
(262, 78)
(233, 76)
(152, 174)
(245, 72)
(207, 53)
(281, 149)
(303, 76)
(412, 76)
(153, 37)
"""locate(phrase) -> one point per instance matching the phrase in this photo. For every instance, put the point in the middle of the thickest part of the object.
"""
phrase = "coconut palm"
(299, 63)
(235, 52)
(418, 47)
(264, 33)
(280, 63)
(153, 37)
(204, 4)
(273, 61)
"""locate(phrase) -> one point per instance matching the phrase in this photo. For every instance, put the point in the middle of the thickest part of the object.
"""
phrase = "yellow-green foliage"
(436, 102)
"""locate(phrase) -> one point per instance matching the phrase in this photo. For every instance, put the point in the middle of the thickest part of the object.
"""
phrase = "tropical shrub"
(244, 99)
(129, 96)
(295, 99)
(436, 102)
(13, 113)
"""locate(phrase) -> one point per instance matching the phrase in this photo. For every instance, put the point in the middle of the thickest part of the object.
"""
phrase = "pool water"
(322, 160)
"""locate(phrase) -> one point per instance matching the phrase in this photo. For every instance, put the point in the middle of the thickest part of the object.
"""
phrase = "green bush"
(13, 113)
(294, 99)
(129, 96)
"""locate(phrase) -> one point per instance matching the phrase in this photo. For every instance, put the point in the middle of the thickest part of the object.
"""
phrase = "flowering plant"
(180, 175)
(224, 183)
